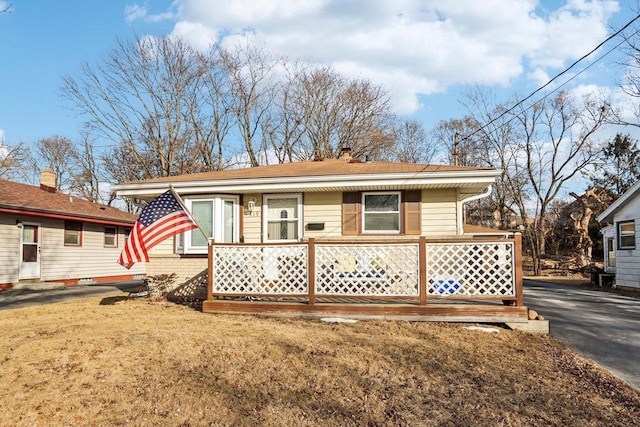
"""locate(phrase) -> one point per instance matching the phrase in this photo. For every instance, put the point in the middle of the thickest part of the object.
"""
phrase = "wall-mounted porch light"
(251, 205)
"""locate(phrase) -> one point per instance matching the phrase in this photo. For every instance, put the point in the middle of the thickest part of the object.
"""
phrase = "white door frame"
(30, 270)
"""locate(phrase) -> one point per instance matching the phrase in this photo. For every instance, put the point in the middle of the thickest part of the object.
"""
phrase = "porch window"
(110, 237)
(627, 235)
(283, 213)
(217, 216)
(72, 233)
(381, 212)
(611, 252)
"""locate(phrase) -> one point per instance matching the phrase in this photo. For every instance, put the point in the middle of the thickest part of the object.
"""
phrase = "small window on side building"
(627, 235)
(72, 233)
(110, 239)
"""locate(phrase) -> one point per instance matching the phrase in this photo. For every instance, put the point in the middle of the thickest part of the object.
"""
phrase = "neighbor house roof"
(31, 200)
(476, 229)
(319, 175)
(630, 194)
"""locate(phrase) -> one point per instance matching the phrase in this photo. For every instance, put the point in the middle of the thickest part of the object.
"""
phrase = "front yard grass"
(136, 362)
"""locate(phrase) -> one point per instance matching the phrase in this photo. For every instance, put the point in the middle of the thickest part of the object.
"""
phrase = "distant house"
(46, 236)
(621, 238)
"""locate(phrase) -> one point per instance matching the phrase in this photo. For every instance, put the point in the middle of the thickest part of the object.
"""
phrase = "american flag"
(164, 217)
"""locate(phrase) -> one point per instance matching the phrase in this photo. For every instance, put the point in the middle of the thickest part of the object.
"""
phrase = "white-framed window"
(381, 212)
(627, 235)
(217, 216)
(282, 217)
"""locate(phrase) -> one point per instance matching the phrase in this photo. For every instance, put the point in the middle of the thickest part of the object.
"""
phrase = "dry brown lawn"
(136, 362)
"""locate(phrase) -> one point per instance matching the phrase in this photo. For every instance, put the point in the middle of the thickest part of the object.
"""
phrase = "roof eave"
(607, 215)
(64, 215)
(475, 178)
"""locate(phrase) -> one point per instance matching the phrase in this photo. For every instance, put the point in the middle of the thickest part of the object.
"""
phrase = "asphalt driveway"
(601, 326)
(18, 298)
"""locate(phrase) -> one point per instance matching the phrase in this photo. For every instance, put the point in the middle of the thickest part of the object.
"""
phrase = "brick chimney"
(48, 180)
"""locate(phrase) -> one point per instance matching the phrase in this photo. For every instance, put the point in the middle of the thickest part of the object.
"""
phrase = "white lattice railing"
(470, 269)
(260, 269)
(476, 269)
(367, 269)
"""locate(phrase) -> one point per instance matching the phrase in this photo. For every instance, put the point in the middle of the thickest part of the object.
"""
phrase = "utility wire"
(517, 104)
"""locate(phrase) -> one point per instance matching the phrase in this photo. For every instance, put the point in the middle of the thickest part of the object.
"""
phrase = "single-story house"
(47, 236)
(621, 238)
(336, 227)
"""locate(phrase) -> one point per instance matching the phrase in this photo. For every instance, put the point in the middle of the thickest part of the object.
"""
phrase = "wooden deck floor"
(392, 309)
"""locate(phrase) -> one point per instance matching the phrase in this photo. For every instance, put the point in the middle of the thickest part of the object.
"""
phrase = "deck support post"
(210, 271)
(518, 268)
(311, 279)
(422, 279)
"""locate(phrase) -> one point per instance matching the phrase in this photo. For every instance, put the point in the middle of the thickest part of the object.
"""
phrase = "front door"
(30, 251)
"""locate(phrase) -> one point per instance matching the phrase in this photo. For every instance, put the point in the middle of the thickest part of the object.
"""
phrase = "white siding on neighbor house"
(9, 249)
(60, 262)
(628, 260)
(323, 208)
(88, 261)
(439, 212)
(608, 233)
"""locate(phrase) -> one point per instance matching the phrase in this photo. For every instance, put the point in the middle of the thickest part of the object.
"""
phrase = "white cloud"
(136, 11)
(199, 35)
(133, 12)
(411, 47)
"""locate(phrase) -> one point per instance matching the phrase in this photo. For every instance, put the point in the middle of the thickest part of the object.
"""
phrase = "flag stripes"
(142, 238)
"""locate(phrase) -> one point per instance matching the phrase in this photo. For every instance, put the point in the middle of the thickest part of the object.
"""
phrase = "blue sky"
(424, 52)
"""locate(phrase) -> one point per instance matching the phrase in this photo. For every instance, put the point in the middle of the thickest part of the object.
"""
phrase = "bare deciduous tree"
(139, 99)
(252, 86)
(412, 144)
(541, 149)
(60, 154)
(13, 161)
(86, 181)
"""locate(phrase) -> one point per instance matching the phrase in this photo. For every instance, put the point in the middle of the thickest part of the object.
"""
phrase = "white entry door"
(30, 251)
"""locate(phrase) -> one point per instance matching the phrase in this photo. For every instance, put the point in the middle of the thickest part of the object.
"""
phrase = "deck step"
(534, 326)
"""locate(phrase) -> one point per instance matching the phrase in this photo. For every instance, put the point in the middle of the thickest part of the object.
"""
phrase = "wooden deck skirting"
(424, 307)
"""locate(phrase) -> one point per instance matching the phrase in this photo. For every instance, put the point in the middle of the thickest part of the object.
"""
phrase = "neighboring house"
(324, 199)
(46, 236)
(621, 238)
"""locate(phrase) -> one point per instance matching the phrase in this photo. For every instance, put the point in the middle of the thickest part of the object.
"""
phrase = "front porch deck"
(459, 280)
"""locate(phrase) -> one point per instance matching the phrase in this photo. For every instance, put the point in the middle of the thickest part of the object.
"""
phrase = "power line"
(517, 104)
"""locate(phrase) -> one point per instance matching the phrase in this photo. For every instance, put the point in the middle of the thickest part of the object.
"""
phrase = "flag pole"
(175, 194)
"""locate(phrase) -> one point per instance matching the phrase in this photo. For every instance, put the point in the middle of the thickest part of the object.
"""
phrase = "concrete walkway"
(19, 298)
(601, 326)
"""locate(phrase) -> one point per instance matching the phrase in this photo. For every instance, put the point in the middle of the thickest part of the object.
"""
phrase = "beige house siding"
(439, 212)
(59, 262)
(164, 247)
(185, 267)
(323, 208)
(252, 222)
